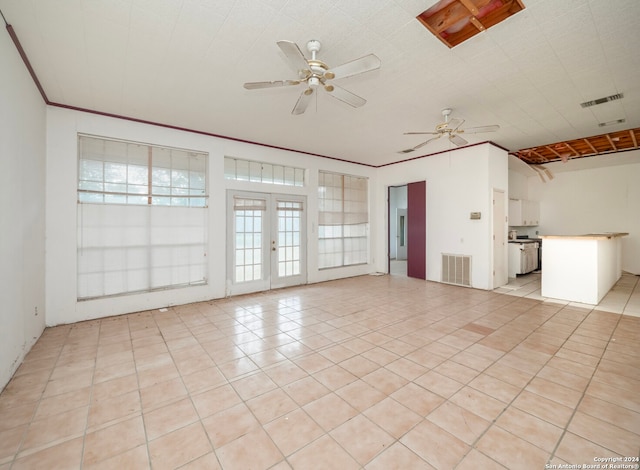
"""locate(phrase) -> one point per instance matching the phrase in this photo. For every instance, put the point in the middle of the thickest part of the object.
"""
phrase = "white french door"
(266, 240)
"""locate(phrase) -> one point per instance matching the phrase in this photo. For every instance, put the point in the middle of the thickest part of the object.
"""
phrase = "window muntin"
(142, 218)
(289, 237)
(248, 220)
(118, 172)
(343, 226)
(258, 172)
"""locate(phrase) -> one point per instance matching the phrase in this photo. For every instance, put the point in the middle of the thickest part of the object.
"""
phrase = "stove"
(524, 255)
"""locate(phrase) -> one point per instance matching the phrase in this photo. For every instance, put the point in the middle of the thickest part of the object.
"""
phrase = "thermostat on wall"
(475, 216)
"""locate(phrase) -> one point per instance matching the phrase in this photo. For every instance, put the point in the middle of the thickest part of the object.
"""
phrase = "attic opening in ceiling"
(620, 141)
(455, 21)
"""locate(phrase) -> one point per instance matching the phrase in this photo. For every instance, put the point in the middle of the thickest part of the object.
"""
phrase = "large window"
(142, 217)
(116, 172)
(343, 223)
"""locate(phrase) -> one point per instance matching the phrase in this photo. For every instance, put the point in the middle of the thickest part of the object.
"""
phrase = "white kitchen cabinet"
(523, 212)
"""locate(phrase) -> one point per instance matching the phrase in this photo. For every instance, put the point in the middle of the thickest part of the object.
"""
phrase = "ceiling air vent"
(606, 99)
(611, 123)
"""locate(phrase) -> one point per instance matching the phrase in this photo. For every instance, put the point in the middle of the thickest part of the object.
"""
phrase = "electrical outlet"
(36, 311)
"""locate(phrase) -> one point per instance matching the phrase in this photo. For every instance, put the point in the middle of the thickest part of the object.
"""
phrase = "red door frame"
(416, 229)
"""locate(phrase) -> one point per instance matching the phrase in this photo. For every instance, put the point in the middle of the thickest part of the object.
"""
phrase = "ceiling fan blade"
(303, 101)
(346, 96)
(478, 130)
(426, 142)
(296, 58)
(456, 139)
(273, 84)
(422, 133)
(348, 69)
(455, 123)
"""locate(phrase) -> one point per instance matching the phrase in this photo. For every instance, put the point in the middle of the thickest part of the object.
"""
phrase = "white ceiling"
(183, 63)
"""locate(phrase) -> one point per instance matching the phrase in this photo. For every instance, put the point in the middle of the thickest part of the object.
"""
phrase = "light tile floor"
(375, 372)
(624, 296)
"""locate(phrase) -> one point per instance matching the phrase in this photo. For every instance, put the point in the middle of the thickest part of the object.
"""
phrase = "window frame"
(344, 214)
(154, 193)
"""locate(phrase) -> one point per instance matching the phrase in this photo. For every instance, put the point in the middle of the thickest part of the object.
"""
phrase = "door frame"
(278, 282)
(269, 244)
(500, 263)
(416, 228)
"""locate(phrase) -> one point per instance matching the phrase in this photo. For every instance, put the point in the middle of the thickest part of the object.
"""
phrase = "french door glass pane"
(289, 213)
(248, 259)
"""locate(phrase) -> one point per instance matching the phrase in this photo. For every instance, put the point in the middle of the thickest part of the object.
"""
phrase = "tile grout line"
(473, 446)
(19, 453)
(373, 324)
(135, 362)
(575, 408)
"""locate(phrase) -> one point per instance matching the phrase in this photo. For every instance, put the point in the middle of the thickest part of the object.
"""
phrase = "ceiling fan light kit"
(315, 74)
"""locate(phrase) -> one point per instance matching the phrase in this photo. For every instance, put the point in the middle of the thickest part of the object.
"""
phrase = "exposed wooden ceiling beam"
(470, 6)
(633, 138)
(552, 150)
(527, 153)
(578, 154)
(615, 142)
(447, 17)
(590, 145)
(533, 151)
(475, 22)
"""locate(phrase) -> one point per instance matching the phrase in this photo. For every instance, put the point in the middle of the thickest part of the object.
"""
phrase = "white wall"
(598, 199)
(63, 125)
(22, 210)
(519, 174)
(458, 182)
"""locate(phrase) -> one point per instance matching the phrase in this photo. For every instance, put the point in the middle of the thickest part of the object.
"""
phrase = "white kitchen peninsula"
(581, 268)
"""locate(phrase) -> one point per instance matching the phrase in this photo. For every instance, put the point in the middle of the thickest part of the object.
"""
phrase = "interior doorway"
(397, 197)
(407, 230)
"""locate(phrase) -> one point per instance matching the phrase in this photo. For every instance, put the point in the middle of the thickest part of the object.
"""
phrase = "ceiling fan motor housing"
(313, 46)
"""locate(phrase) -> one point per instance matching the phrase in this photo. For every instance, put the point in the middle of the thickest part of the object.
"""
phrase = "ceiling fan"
(314, 73)
(450, 128)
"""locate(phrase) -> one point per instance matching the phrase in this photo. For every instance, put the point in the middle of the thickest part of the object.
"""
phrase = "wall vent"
(456, 269)
(587, 104)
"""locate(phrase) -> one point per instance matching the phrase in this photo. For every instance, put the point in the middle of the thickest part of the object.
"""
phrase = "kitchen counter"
(581, 268)
(593, 236)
